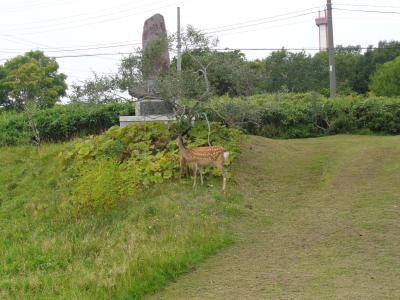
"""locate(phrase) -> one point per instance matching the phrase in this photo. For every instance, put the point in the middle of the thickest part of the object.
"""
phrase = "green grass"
(322, 222)
(48, 252)
(312, 219)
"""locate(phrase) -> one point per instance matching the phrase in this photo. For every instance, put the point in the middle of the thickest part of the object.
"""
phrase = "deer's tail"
(226, 155)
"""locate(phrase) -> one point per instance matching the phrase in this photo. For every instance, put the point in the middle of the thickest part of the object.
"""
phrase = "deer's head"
(180, 139)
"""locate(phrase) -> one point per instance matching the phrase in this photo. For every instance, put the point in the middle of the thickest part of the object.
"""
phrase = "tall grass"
(48, 251)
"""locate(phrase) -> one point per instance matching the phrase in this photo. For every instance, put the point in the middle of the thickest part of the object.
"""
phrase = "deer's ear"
(185, 132)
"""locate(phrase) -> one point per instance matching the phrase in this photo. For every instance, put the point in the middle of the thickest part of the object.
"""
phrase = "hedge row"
(272, 115)
(62, 122)
(308, 115)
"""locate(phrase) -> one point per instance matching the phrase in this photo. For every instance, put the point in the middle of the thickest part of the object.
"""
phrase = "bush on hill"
(108, 169)
(103, 217)
(62, 122)
(308, 115)
(282, 115)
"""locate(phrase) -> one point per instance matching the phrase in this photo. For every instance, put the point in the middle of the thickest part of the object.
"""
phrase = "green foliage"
(31, 77)
(385, 81)
(61, 122)
(372, 59)
(228, 73)
(98, 90)
(149, 238)
(308, 115)
(284, 71)
(14, 129)
(287, 71)
(115, 166)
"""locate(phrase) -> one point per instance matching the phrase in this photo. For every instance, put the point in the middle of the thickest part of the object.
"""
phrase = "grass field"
(47, 252)
(322, 222)
(313, 219)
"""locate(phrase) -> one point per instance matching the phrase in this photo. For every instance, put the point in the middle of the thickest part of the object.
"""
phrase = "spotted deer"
(200, 157)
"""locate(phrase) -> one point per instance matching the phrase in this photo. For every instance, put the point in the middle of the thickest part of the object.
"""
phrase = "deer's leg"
(220, 166)
(224, 179)
(201, 176)
(185, 167)
(195, 174)
(182, 164)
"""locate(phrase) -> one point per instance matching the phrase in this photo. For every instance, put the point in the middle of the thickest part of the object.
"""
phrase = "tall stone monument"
(155, 46)
(155, 64)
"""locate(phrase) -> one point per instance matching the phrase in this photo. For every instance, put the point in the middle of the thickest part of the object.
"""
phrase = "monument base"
(125, 120)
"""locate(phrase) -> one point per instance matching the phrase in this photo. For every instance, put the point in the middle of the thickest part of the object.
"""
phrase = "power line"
(92, 17)
(302, 48)
(260, 23)
(92, 55)
(107, 20)
(24, 41)
(226, 49)
(234, 49)
(120, 43)
(23, 7)
(94, 48)
(369, 11)
(263, 28)
(261, 19)
(265, 49)
(226, 29)
(366, 5)
(77, 15)
(79, 49)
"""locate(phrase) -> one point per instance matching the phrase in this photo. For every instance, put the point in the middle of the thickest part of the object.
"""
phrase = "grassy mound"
(107, 217)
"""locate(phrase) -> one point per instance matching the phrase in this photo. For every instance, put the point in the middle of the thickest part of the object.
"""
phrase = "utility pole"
(331, 51)
(179, 58)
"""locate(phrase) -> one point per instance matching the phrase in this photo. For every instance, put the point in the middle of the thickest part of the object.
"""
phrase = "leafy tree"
(385, 81)
(232, 74)
(299, 72)
(372, 59)
(348, 62)
(31, 77)
(100, 89)
(136, 75)
(288, 72)
(320, 73)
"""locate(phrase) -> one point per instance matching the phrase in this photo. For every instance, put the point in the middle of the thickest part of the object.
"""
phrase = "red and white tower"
(322, 23)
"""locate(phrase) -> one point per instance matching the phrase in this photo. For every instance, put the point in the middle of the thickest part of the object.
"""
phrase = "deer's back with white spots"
(202, 157)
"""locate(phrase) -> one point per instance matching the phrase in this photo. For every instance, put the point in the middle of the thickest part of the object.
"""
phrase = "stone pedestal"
(126, 120)
(154, 110)
(152, 107)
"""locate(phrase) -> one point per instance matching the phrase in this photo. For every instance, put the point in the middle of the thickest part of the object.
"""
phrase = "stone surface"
(155, 64)
(154, 27)
(152, 107)
(125, 120)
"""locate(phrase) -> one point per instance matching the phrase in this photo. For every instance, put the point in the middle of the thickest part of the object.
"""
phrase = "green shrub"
(108, 169)
(308, 115)
(14, 129)
(385, 81)
(62, 122)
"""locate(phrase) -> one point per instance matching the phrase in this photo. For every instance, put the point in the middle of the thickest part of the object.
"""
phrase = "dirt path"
(322, 222)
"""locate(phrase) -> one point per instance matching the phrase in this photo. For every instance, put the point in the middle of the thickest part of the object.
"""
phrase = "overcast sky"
(98, 26)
